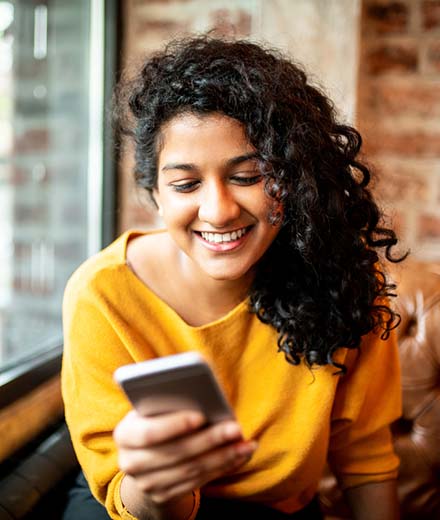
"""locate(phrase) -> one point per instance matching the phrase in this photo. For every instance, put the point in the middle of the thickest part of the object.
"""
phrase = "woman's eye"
(247, 181)
(184, 187)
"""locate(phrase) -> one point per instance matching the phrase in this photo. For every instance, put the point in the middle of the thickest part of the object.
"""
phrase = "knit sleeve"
(97, 340)
(368, 400)
(93, 403)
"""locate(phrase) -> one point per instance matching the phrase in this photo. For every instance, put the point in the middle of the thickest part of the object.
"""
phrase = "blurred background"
(63, 194)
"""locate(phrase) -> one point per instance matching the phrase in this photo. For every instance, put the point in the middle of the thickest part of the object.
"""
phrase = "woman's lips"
(216, 243)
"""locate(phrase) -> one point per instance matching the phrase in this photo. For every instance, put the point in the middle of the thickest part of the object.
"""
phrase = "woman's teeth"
(221, 238)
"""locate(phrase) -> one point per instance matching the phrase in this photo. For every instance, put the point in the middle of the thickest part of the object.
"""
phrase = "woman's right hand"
(170, 455)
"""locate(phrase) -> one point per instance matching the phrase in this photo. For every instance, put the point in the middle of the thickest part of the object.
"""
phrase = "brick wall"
(399, 114)
(398, 106)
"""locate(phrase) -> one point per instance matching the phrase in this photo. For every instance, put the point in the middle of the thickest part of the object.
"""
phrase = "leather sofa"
(417, 432)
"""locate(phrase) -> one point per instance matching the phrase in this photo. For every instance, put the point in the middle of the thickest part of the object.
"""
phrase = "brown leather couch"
(417, 433)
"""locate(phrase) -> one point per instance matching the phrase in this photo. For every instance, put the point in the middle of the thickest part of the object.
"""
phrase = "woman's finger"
(135, 431)
(179, 450)
(196, 472)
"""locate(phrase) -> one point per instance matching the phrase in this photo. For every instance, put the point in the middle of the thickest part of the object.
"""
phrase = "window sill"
(30, 399)
(28, 374)
(25, 418)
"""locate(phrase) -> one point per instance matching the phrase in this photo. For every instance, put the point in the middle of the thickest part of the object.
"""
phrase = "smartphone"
(172, 383)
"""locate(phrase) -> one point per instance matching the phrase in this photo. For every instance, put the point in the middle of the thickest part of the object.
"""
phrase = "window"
(51, 163)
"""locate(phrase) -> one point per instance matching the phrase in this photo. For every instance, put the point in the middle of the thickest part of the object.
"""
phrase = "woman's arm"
(374, 501)
(361, 452)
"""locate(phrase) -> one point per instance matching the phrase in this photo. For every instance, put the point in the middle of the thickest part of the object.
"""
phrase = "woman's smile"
(223, 242)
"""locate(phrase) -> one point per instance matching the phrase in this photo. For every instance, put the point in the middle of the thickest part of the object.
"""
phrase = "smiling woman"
(272, 245)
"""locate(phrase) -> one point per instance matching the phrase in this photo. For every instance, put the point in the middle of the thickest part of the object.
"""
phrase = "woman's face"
(211, 196)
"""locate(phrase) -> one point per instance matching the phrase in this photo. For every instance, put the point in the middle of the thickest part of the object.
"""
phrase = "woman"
(269, 266)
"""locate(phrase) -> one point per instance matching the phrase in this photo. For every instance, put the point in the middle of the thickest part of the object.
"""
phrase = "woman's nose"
(218, 206)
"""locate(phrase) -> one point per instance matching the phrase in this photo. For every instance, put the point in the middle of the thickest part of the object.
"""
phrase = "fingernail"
(196, 419)
(232, 431)
(246, 449)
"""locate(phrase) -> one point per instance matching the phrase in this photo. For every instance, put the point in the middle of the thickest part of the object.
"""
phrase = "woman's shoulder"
(147, 255)
(146, 248)
(113, 260)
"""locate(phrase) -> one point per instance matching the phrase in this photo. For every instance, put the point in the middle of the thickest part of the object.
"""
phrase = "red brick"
(136, 216)
(386, 17)
(35, 140)
(144, 27)
(25, 285)
(12, 175)
(395, 185)
(395, 219)
(19, 176)
(398, 222)
(431, 14)
(403, 144)
(21, 284)
(21, 250)
(410, 99)
(429, 226)
(392, 58)
(433, 57)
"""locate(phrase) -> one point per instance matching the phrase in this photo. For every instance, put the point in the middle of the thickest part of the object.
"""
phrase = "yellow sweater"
(300, 418)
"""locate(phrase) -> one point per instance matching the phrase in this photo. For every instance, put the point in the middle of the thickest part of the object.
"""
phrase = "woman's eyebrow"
(242, 158)
(230, 162)
(179, 166)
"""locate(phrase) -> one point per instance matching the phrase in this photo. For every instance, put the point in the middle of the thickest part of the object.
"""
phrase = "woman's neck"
(197, 298)
(211, 298)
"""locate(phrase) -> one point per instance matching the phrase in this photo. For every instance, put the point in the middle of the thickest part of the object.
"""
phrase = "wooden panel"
(21, 421)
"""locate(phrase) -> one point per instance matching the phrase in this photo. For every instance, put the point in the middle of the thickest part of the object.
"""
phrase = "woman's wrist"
(142, 507)
(374, 501)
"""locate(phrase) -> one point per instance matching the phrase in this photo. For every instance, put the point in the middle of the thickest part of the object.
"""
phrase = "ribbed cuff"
(351, 481)
(126, 515)
(119, 506)
(196, 504)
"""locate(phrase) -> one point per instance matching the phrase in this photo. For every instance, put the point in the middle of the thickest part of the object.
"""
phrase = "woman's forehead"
(214, 134)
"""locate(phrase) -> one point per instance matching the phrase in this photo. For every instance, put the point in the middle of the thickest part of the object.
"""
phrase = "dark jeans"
(83, 506)
(218, 509)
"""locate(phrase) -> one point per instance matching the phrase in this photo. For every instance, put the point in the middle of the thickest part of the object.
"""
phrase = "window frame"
(31, 371)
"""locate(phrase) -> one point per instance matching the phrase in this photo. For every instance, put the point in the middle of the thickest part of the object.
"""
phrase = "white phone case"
(171, 383)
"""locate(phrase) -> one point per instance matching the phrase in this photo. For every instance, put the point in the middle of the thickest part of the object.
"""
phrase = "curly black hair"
(320, 284)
